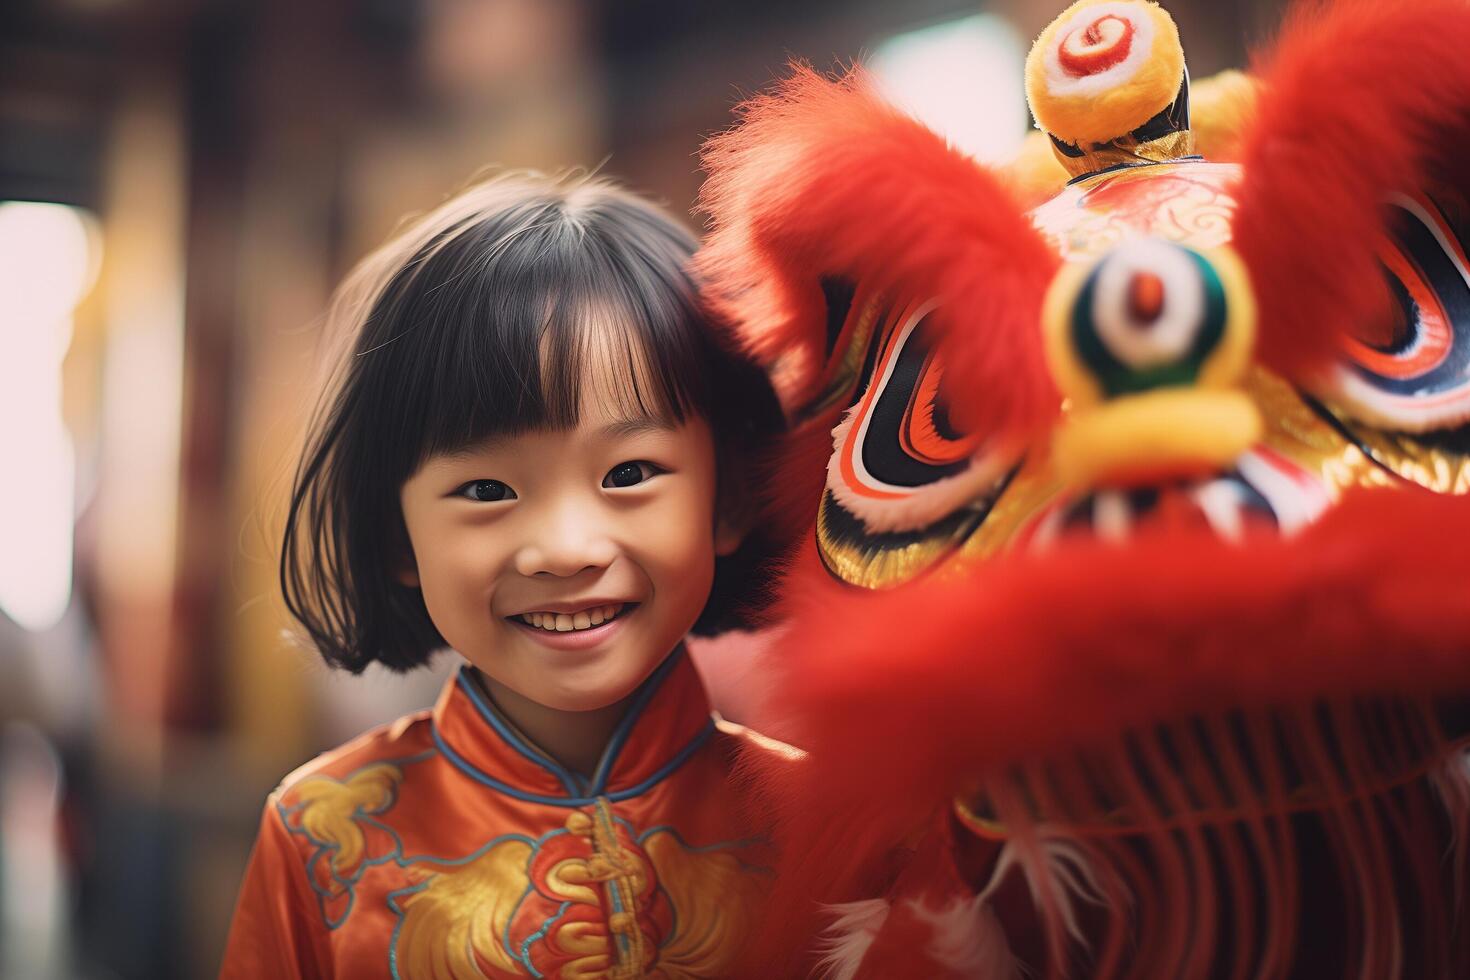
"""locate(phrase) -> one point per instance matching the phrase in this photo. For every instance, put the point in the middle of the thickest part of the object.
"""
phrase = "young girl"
(530, 453)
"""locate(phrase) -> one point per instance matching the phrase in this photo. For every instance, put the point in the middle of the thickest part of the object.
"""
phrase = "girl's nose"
(565, 541)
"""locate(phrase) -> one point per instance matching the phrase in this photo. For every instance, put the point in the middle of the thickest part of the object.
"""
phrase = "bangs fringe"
(465, 362)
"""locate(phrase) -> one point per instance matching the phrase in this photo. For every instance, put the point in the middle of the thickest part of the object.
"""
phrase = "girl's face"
(567, 564)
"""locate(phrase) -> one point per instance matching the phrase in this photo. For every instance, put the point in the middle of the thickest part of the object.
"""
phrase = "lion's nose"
(1148, 344)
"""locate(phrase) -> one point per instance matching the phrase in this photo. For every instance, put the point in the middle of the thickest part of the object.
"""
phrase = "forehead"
(1190, 203)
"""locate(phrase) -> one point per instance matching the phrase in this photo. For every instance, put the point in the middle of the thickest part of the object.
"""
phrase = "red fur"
(794, 477)
(930, 881)
(905, 697)
(1365, 98)
(825, 177)
(902, 949)
(1025, 656)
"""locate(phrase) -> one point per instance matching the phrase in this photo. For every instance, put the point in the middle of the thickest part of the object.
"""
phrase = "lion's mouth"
(1263, 491)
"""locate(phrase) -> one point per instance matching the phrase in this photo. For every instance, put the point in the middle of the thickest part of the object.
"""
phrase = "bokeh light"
(963, 78)
(48, 259)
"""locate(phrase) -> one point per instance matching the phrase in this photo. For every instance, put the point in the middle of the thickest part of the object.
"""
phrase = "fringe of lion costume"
(1127, 616)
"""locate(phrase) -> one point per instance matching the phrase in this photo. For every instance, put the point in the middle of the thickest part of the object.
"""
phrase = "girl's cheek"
(677, 536)
(472, 563)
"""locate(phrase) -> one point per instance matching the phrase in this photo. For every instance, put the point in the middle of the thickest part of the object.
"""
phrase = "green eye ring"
(1127, 355)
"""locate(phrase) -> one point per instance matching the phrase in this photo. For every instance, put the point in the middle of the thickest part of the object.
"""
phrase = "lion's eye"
(904, 484)
(1410, 372)
(1148, 316)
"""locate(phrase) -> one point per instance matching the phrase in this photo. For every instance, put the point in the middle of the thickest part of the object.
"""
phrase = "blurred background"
(181, 184)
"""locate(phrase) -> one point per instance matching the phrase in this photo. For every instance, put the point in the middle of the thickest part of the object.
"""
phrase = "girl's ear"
(727, 537)
(405, 566)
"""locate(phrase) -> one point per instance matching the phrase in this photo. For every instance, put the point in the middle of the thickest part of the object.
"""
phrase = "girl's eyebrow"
(619, 429)
(634, 426)
(465, 453)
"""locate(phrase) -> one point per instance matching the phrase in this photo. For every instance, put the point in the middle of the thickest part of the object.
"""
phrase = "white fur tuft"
(969, 940)
(1068, 872)
(847, 939)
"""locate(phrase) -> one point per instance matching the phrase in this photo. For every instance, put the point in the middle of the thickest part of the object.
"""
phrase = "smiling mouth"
(584, 619)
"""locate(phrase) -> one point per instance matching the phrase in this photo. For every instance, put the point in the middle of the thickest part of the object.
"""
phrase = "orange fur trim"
(1220, 109)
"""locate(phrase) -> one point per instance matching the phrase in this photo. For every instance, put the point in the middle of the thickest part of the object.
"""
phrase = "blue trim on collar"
(681, 757)
(664, 772)
(624, 730)
(475, 773)
(572, 785)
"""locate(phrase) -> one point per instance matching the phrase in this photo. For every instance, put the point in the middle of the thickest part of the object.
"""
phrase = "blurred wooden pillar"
(220, 134)
(141, 293)
(303, 96)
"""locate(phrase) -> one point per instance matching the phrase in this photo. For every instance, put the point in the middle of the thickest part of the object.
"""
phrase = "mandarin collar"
(667, 721)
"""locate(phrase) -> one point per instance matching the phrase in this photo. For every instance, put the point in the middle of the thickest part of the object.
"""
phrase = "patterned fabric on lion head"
(1128, 611)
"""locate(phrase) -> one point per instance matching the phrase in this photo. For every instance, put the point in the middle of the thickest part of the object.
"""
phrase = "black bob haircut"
(473, 322)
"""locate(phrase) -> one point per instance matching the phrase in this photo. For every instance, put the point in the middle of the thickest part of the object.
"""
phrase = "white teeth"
(567, 622)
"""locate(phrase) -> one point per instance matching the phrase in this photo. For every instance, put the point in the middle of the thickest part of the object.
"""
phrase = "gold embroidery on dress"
(460, 914)
(464, 918)
(716, 898)
(328, 807)
(622, 876)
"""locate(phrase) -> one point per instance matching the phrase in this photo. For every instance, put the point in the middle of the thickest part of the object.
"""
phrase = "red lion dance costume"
(1129, 605)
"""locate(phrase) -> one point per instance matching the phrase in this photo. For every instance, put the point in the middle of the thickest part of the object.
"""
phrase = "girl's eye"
(630, 474)
(486, 491)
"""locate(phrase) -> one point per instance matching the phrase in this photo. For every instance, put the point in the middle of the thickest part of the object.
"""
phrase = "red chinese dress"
(446, 846)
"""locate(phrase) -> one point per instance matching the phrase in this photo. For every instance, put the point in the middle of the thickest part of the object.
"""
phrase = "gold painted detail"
(981, 826)
(1126, 150)
(1034, 486)
(1189, 202)
(1409, 456)
(1297, 432)
(873, 566)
